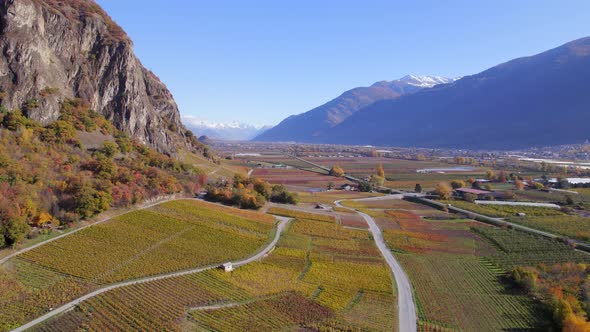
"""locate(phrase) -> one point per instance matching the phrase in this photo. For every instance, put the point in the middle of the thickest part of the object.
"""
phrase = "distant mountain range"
(233, 131)
(538, 100)
(311, 125)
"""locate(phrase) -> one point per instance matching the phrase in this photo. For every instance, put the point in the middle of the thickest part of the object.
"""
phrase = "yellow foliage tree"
(336, 171)
(380, 171)
(443, 190)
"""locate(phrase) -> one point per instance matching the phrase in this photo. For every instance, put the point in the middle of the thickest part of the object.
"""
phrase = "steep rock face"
(55, 49)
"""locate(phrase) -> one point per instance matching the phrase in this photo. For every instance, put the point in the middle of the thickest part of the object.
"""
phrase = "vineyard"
(297, 178)
(300, 214)
(389, 203)
(154, 241)
(316, 282)
(504, 210)
(515, 248)
(328, 197)
(570, 226)
(457, 284)
(169, 237)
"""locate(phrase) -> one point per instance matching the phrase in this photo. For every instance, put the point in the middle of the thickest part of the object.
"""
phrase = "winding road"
(70, 305)
(406, 306)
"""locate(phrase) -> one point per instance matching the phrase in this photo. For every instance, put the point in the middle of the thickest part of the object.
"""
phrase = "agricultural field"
(169, 237)
(301, 214)
(570, 226)
(329, 197)
(266, 161)
(457, 266)
(515, 248)
(504, 211)
(225, 169)
(399, 173)
(296, 179)
(319, 280)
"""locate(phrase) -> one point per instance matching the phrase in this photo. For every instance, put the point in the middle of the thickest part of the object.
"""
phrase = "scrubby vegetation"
(563, 288)
(248, 193)
(48, 176)
(77, 10)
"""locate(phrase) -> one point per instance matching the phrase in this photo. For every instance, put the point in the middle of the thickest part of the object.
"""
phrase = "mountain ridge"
(530, 101)
(305, 127)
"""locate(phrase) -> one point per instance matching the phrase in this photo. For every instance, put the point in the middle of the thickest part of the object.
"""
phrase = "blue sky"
(261, 61)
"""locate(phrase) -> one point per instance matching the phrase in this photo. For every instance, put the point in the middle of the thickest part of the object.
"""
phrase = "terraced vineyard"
(169, 237)
(318, 281)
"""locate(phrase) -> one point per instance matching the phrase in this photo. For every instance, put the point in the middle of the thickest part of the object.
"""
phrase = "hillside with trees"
(76, 167)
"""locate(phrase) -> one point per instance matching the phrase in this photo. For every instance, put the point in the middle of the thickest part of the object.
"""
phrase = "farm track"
(406, 307)
(70, 305)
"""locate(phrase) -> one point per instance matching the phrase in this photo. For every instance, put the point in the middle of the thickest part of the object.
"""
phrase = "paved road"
(68, 306)
(406, 306)
(140, 207)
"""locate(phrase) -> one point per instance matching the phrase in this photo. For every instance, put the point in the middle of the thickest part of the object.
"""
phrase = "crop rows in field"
(301, 214)
(456, 287)
(154, 241)
(504, 210)
(463, 293)
(172, 236)
(297, 178)
(328, 197)
(570, 226)
(515, 248)
(353, 220)
(277, 313)
(28, 290)
(323, 274)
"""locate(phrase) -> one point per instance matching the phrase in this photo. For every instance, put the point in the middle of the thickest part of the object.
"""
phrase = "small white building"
(228, 267)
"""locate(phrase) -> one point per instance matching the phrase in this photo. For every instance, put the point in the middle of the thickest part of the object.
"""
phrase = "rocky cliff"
(56, 49)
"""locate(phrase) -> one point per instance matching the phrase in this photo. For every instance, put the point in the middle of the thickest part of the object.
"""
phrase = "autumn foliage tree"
(336, 171)
(48, 177)
(456, 184)
(562, 288)
(518, 184)
(443, 190)
(380, 170)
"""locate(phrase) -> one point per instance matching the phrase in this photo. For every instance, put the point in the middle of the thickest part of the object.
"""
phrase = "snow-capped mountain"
(426, 81)
(234, 131)
(306, 127)
(417, 81)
